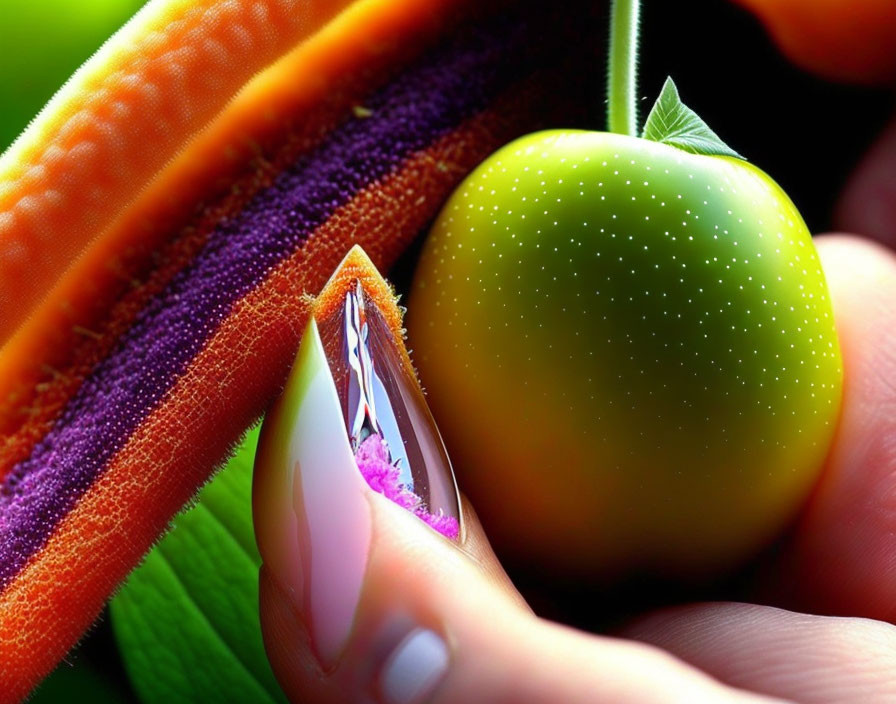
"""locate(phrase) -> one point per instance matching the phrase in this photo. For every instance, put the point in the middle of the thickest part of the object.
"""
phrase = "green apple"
(630, 349)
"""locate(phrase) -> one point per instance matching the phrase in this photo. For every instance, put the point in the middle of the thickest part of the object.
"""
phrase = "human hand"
(441, 622)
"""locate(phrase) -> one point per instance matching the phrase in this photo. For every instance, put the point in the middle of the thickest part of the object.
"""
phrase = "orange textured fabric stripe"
(60, 591)
(175, 327)
(82, 316)
(120, 119)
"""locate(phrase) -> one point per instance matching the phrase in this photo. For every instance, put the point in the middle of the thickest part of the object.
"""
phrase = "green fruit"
(43, 42)
(630, 350)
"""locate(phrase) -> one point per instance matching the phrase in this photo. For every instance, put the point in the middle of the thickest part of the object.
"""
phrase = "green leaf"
(672, 122)
(186, 620)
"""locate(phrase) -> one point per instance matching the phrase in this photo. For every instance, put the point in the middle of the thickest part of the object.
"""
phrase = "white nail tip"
(415, 668)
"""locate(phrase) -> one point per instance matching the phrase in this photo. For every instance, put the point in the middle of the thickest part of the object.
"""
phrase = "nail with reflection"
(352, 419)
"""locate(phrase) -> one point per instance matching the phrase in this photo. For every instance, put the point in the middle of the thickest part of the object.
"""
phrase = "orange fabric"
(357, 267)
(120, 119)
(132, 227)
(304, 95)
(60, 591)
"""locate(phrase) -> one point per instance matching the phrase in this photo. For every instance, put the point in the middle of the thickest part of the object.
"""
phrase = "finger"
(477, 547)
(810, 659)
(433, 625)
(378, 588)
(868, 203)
(842, 557)
(289, 643)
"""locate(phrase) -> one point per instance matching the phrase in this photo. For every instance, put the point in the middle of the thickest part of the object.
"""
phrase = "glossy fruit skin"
(847, 40)
(630, 351)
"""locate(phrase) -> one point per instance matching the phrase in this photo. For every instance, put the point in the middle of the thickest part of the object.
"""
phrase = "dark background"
(806, 133)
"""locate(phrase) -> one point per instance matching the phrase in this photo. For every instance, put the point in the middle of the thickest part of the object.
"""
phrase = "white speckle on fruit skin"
(629, 301)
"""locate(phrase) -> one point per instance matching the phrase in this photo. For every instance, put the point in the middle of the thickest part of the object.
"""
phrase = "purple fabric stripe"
(407, 115)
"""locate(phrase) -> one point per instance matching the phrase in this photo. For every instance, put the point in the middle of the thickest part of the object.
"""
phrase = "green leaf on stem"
(672, 122)
(186, 620)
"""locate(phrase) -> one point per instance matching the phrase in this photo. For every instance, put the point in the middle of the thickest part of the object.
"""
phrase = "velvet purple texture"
(406, 116)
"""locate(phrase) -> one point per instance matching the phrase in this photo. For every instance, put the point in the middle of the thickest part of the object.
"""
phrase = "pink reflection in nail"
(392, 433)
(375, 463)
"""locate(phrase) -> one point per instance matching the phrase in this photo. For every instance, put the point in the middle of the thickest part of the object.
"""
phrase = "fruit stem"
(622, 110)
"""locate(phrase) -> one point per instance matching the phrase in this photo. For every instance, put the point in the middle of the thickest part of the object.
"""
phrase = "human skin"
(78, 197)
(839, 563)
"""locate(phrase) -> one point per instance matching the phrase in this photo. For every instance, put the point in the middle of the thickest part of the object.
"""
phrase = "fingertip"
(421, 595)
(477, 546)
(868, 202)
(842, 556)
(406, 554)
(861, 276)
(781, 653)
(846, 256)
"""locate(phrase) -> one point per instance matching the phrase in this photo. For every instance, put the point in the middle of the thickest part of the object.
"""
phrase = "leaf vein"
(211, 626)
(242, 548)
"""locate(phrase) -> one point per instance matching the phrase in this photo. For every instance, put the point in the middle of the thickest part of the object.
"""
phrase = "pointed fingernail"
(351, 419)
(392, 433)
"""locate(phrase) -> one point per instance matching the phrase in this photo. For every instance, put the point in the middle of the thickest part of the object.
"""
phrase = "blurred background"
(42, 42)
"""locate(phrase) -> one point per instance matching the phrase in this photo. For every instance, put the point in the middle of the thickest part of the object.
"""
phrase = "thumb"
(362, 601)
(400, 608)
(433, 623)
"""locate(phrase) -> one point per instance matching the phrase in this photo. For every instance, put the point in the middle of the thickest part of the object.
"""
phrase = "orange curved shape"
(120, 119)
(161, 224)
(307, 91)
(846, 40)
(39, 607)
